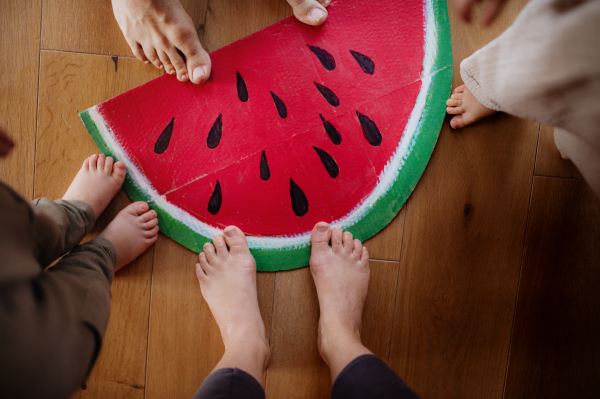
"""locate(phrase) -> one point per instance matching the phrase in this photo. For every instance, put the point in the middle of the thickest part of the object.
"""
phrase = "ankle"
(337, 337)
(252, 342)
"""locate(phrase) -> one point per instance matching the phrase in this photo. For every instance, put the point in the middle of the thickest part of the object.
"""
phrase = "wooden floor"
(484, 286)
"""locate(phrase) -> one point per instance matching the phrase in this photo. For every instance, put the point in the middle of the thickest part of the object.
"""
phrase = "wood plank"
(296, 369)
(20, 44)
(548, 161)
(463, 242)
(96, 27)
(185, 343)
(554, 350)
(387, 244)
(71, 83)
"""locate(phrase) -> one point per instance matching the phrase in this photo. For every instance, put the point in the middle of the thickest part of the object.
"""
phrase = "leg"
(57, 226)
(341, 274)
(228, 284)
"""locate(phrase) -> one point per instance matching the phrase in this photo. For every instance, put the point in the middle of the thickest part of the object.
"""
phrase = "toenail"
(322, 229)
(198, 73)
(317, 14)
(183, 77)
(231, 233)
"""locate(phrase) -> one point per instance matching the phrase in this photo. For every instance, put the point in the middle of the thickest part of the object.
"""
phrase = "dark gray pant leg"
(368, 376)
(59, 227)
(230, 384)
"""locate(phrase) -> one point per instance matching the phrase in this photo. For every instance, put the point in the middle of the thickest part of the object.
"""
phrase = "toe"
(86, 164)
(178, 65)
(138, 208)
(119, 171)
(151, 233)
(138, 51)
(457, 96)
(198, 64)
(204, 263)
(93, 162)
(151, 55)
(320, 237)
(347, 240)
(200, 274)
(357, 249)
(220, 246)
(150, 224)
(311, 12)
(108, 165)
(210, 253)
(165, 61)
(336, 240)
(236, 240)
(454, 103)
(101, 162)
(148, 216)
(457, 122)
(459, 89)
(364, 257)
(455, 110)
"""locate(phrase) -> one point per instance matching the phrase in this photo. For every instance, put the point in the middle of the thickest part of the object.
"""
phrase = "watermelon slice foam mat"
(296, 125)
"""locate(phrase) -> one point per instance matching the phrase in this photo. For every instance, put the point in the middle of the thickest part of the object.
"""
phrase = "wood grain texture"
(387, 244)
(71, 83)
(554, 351)
(463, 241)
(548, 161)
(185, 343)
(90, 27)
(19, 67)
(296, 369)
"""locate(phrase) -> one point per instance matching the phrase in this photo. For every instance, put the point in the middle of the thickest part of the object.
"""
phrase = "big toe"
(137, 208)
(236, 240)
(311, 12)
(197, 59)
(319, 238)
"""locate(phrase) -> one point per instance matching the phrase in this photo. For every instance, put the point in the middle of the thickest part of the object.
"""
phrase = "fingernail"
(317, 14)
(198, 73)
(230, 233)
(322, 229)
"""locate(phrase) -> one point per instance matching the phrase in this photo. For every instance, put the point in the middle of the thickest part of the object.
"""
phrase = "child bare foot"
(466, 107)
(131, 232)
(97, 182)
(161, 32)
(228, 284)
(341, 274)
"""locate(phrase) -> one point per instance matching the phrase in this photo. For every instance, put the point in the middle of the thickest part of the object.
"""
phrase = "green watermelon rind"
(385, 208)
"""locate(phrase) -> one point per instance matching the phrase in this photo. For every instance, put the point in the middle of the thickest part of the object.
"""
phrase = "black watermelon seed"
(241, 88)
(214, 136)
(281, 109)
(164, 139)
(324, 56)
(329, 163)
(365, 63)
(214, 204)
(265, 173)
(370, 130)
(332, 132)
(299, 201)
(328, 94)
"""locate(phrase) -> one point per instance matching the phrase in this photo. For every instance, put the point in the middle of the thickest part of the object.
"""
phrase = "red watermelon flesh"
(294, 126)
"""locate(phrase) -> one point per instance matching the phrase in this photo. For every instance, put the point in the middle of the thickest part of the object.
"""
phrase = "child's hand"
(491, 9)
(311, 12)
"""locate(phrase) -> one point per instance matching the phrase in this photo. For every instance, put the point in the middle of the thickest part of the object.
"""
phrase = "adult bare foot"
(466, 107)
(341, 274)
(97, 182)
(131, 232)
(311, 12)
(161, 32)
(228, 284)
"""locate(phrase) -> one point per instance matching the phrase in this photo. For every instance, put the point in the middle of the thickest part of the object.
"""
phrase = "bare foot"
(311, 12)
(341, 274)
(563, 156)
(97, 182)
(156, 30)
(466, 107)
(228, 284)
(131, 232)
